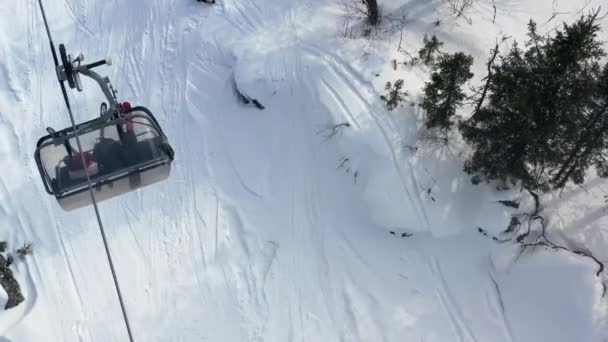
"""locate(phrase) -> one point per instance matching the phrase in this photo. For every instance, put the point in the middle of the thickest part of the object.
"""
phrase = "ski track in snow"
(255, 237)
(450, 305)
(77, 11)
(496, 304)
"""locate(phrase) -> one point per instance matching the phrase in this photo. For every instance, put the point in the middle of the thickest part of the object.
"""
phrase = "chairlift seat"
(122, 152)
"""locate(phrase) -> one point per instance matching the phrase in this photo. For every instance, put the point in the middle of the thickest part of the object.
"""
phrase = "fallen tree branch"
(332, 130)
(541, 239)
(547, 243)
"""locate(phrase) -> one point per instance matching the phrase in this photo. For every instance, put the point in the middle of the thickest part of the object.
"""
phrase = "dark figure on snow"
(246, 99)
(207, 1)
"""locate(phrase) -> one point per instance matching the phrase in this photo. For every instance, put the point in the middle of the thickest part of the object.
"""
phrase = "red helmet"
(127, 106)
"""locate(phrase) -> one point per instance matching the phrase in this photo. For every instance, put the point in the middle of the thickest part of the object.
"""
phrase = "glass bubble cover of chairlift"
(125, 149)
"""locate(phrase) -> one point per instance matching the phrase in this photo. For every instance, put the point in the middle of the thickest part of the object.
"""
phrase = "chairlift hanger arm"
(103, 82)
(72, 67)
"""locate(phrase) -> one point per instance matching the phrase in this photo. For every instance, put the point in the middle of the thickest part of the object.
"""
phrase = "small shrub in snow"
(395, 95)
(25, 250)
(460, 7)
(3, 246)
(429, 50)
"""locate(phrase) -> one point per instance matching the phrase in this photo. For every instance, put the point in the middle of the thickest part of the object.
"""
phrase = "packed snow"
(268, 229)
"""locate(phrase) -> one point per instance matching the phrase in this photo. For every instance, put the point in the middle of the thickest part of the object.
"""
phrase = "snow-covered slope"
(267, 231)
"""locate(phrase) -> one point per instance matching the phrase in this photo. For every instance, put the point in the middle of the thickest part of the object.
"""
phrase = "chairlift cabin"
(122, 150)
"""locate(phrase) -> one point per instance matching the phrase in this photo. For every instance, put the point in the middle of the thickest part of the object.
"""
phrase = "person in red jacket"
(76, 169)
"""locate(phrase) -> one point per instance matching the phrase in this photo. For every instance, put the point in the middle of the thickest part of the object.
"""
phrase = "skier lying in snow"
(246, 99)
